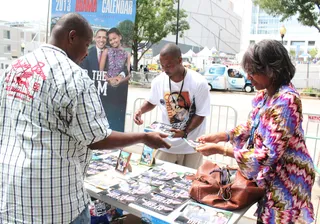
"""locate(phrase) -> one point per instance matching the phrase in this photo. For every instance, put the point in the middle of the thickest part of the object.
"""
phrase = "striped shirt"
(50, 111)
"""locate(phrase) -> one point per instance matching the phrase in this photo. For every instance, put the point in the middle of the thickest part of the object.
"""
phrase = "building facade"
(298, 39)
(213, 24)
(19, 38)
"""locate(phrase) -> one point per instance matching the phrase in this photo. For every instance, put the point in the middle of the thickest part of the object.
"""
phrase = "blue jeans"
(84, 217)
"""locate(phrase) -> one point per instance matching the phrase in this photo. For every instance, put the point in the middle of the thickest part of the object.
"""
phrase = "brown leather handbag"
(214, 186)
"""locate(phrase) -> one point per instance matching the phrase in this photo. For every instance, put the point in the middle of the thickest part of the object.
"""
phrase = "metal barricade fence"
(222, 118)
(141, 77)
(311, 126)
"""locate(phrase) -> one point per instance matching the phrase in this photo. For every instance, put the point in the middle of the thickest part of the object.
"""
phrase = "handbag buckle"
(225, 193)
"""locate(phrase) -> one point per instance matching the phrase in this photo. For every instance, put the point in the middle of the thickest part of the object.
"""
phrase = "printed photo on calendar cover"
(159, 127)
(111, 160)
(197, 213)
(99, 165)
(192, 143)
(150, 180)
(160, 174)
(123, 161)
(118, 195)
(180, 183)
(154, 206)
(172, 192)
(171, 202)
(147, 156)
(133, 187)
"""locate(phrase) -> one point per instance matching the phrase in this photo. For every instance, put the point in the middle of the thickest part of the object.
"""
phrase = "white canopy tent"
(205, 52)
(202, 58)
(188, 54)
(155, 59)
(213, 50)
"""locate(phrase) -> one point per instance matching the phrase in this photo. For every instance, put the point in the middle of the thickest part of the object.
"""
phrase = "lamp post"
(178, 14)
(282, 33)
(219, 39)
(22, 48)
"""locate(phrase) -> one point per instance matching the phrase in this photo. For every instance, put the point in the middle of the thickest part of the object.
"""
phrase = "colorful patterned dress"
(116, 61)
(279, 160)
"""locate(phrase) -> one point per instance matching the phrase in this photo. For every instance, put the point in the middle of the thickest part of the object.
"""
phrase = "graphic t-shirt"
(177, 109)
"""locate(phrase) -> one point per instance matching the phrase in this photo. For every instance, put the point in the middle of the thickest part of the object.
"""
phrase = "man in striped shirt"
(50, 119)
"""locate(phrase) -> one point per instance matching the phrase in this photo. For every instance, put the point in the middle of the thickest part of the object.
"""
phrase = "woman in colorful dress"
(270, 147)
(116, 61)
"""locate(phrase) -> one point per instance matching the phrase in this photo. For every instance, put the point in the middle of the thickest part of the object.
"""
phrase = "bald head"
(72, 34)
(171, 50)
(69, 22)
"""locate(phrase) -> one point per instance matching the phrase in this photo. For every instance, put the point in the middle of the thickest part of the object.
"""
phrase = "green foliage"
(155, 19)
(313, 52)
(126, 29)
(308, 11)
(292, 53)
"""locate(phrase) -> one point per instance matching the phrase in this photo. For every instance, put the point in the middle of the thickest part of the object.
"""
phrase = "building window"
(7, 48)
(297, 43)
(33, 36)
(252, 42)
(22, 35)
(6, 34)
(311, 43)
(2, 67)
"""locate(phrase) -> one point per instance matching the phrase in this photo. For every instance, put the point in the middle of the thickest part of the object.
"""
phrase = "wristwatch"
(185, 134)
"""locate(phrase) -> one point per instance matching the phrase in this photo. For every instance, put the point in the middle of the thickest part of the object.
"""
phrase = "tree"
(126, 30)
(154, 21)
(313, 52)
(308, 10)
(292, 53)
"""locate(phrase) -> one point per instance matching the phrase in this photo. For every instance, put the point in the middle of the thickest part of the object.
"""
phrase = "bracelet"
(228, 136)
(225, 151)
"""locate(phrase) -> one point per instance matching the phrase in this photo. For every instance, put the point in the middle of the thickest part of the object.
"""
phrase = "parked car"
(227, 78)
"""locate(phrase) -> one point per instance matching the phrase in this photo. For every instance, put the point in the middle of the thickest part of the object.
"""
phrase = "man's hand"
(177, 133)
(208, 149)
(137, 117)
(155, 140)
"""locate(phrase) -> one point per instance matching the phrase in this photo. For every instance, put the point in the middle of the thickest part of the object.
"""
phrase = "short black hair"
(270, 58)
(100, 30)
(171, 50)
(114, 30)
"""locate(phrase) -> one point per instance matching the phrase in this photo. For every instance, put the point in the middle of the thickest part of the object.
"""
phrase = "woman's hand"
(214, 138)
(115, 81)
(208, 149)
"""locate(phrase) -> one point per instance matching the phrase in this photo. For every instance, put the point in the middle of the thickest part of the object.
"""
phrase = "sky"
(23, 10)
(34, 10)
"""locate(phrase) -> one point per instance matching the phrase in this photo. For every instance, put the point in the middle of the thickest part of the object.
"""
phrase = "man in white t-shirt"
(184, 99)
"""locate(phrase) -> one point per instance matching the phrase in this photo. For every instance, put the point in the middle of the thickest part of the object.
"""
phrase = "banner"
(108, 60)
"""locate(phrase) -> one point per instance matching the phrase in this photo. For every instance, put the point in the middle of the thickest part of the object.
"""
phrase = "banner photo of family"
(108, 60)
